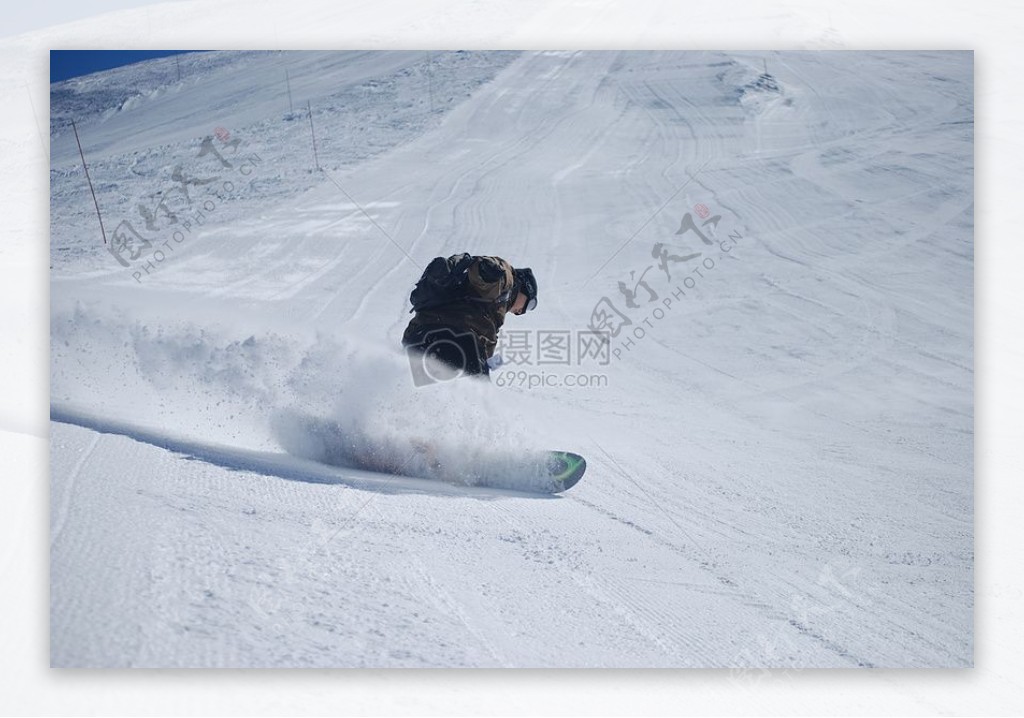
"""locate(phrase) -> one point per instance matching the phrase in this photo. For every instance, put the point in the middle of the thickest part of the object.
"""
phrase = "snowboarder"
(460, 305)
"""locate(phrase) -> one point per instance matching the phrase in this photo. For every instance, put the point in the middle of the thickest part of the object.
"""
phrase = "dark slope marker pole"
(312, 134)
(89, 180)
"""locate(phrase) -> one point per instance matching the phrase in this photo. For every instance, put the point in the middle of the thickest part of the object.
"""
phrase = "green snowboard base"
(565, 469)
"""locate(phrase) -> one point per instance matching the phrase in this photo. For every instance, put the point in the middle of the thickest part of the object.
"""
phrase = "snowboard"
(565, 469)
(547, 472)
(323, 441)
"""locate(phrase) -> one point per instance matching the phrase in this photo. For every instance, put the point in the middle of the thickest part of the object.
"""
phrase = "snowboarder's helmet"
(526, 283)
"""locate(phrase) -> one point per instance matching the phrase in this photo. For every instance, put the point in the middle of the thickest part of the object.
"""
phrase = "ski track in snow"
(779, 473)
(63, 503)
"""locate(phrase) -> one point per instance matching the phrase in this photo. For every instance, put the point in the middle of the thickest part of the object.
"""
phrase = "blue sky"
(72, 63)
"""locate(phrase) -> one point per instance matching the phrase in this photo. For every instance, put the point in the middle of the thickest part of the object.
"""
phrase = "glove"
(489, 270)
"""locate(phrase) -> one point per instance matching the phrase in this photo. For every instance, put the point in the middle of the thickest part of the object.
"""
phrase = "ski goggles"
(511, 297)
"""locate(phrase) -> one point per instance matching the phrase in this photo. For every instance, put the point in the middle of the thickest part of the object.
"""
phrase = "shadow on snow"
(279, 465)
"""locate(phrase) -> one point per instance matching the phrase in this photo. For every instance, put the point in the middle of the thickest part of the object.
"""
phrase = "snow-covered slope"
(780, 441)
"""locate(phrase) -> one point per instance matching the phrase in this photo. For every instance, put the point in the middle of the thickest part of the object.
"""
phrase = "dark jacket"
(477, 317)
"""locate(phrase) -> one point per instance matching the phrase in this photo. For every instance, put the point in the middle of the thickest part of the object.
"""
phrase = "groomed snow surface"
(779, 437)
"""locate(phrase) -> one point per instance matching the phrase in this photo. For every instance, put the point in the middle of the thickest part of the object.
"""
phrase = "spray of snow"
(330, 398)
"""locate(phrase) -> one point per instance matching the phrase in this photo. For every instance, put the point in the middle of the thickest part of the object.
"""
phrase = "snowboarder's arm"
(490, 277)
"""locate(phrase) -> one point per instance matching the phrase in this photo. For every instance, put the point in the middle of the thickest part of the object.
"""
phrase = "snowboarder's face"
(519, 305)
